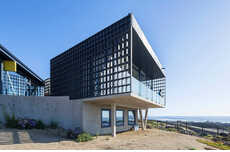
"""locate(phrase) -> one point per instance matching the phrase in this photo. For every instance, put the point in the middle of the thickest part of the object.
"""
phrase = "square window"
(115, 76)
(128, 88)
(127, 43)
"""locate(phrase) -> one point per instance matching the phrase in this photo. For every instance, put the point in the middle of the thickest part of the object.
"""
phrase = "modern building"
(47, 90)
(112, 74)
(16, 78)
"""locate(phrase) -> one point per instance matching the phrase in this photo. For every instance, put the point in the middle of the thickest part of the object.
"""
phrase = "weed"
(40, 125)
(84, 137)
(11, 121)
(218, 145)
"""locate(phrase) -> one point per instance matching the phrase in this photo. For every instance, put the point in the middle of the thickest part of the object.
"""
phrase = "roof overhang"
(147, 46)
(23, 67)
(128, 100)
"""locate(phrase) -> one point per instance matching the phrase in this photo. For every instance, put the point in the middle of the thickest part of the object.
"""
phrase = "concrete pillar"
(136, 117)
(126, 118)
(146, 118)
(113, 119)
(141, 118)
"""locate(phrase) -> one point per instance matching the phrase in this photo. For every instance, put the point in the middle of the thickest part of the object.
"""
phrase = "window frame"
(109, 110)
(123, 118)
(134, 123)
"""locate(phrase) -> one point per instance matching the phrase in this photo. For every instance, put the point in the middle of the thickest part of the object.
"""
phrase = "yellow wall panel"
(10, 66)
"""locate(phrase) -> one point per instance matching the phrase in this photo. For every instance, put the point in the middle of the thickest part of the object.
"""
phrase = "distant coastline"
(221, 119)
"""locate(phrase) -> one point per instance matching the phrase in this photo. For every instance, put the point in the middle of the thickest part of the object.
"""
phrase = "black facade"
(98, 66)
(107, 63)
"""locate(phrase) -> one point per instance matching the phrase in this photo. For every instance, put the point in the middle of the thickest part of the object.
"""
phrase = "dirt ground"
(151, 139)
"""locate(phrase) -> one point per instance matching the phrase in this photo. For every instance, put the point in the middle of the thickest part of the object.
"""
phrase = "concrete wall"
(47, 109)
(68, 113)
(92, 119)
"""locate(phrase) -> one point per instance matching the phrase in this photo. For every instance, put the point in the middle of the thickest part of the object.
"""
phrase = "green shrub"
(53, 125)
(11, 121)
(84, 137)
(40, 125)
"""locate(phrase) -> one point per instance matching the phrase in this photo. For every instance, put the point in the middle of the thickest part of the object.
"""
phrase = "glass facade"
(120, 118)
(131, 117)
(153, 90)
(105, 118)
(13, 83)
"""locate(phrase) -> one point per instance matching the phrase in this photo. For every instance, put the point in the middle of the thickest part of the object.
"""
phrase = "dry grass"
(218, 145)
(150, 139)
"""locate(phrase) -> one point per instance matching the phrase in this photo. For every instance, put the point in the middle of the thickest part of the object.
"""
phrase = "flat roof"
(144, 40)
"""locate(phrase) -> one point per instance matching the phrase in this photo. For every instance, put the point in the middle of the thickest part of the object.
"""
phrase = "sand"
(151, 139)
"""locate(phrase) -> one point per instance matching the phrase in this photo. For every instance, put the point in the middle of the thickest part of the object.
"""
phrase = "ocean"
(222, 119)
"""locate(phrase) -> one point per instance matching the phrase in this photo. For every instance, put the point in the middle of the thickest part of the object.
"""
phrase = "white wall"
(92, 119)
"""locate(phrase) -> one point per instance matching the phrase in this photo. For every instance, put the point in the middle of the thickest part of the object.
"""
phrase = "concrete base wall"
(47, 109)
(68, 113)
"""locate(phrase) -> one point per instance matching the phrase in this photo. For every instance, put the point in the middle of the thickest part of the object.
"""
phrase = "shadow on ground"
(15, 136)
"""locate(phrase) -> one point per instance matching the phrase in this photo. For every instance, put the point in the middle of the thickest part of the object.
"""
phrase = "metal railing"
(187, 128)
(143, 91)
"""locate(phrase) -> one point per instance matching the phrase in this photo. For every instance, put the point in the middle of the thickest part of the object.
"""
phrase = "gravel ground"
(149, 139)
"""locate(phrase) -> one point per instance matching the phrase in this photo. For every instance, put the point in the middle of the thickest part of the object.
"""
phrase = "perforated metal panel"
(98, 66)
(102, 65)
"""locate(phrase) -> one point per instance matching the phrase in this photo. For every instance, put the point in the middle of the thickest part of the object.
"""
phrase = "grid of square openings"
(111, 74)
(110, 69)
(15, 84)
(106, 63)
(61, 73)
(76, 74)
(159, 86)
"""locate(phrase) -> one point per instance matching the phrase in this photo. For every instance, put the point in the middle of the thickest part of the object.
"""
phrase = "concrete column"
(126, 118)
(136, 117)
(113, 119)
(146, 118)
(141, 118)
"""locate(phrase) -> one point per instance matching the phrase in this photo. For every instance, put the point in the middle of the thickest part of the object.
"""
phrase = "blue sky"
(191, 39)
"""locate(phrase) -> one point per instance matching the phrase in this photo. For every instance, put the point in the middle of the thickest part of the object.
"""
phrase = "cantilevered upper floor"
(116, 65)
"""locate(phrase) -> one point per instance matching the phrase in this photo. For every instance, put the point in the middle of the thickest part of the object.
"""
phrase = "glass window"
(120, 118)
(105, 118)
(127, 35)
(131, 117)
